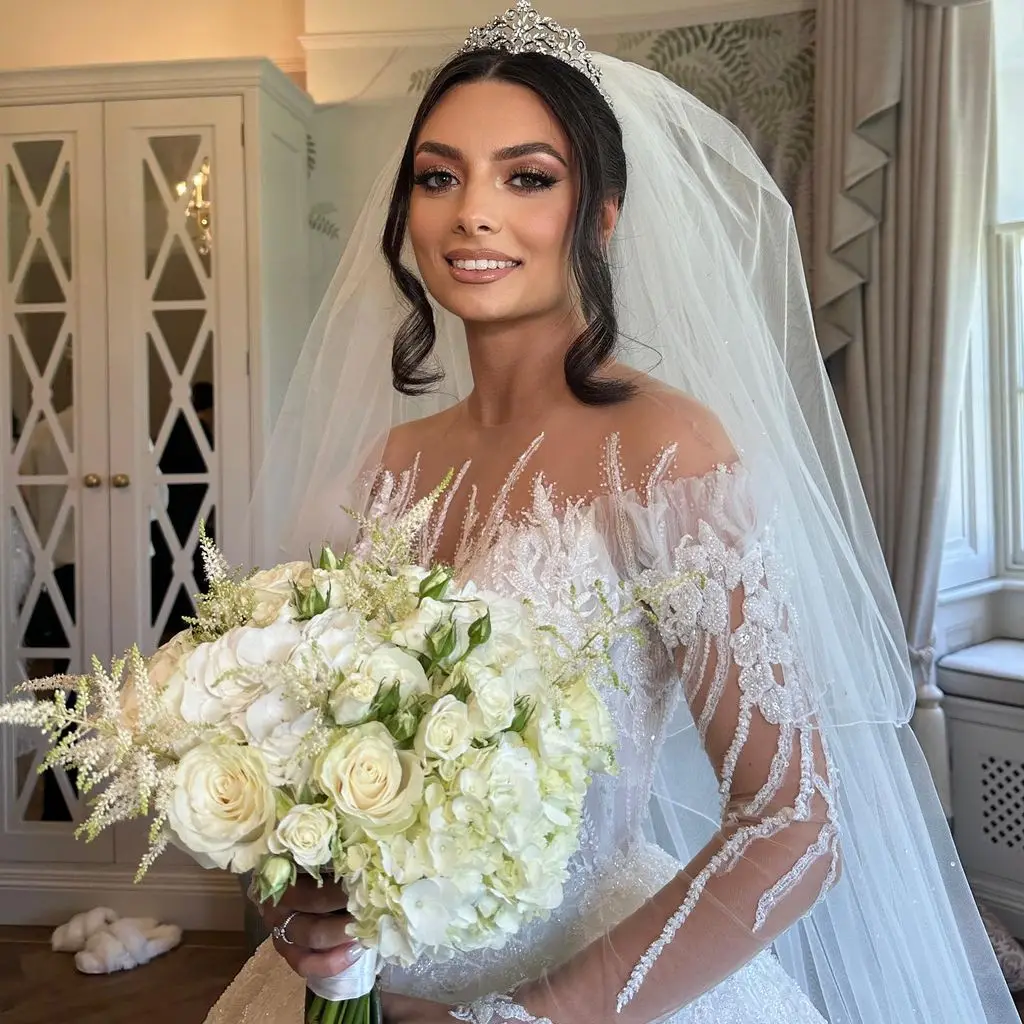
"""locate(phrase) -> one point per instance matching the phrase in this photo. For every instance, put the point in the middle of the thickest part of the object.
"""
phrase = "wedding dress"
(791, 654)
(543, 552)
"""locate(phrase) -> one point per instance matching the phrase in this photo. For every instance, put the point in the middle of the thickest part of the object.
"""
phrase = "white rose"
(390, 666)
(445, 732)
(412, 631)
(353, 697)
(428, 906)
(551, 733)
(222, 809)
(164, 665)
(273, 590)
(164, 672)
(276, 724)
(278, 579)
(370, 781)
(307, 833)
(413, 575)
(492, 703)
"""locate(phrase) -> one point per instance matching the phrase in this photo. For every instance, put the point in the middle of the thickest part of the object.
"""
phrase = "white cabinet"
(153, 274)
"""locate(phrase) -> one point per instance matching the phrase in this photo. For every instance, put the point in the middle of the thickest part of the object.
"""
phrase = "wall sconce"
(197, 213)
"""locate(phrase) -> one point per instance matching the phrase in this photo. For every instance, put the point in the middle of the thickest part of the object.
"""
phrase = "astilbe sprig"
(92, 736)
(229, 600)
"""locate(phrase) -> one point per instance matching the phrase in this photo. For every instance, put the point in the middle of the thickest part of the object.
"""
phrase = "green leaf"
(480, 631)
(447, 646)
(283, 801)
(460, 691)
(434, 585)
(310, 603)
(329, 560)
(387, 703)
(524, 712)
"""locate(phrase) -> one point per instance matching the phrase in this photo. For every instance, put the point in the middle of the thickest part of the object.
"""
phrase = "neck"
(519, 369)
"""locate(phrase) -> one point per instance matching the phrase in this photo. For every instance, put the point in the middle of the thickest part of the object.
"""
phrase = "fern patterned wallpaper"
(759, 73)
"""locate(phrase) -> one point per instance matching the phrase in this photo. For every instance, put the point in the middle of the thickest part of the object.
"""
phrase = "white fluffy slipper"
(71, 937)
(103, 943)
(127, 943)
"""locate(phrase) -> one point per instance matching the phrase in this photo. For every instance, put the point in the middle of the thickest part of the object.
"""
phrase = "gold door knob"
(92, 480)
(120, 480)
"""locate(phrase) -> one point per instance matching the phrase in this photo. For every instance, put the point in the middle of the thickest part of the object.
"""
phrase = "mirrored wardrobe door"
(54, 518)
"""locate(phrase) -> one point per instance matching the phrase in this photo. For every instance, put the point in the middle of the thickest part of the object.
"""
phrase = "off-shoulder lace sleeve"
(708, 569)
(701, 554)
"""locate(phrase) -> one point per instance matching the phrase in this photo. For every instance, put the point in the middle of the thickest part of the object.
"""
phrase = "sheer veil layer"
(712, 299)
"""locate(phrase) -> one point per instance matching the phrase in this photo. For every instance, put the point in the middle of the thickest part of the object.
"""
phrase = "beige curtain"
(903, 123)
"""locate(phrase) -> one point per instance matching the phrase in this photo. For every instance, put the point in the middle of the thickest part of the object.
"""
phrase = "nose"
(478, 211)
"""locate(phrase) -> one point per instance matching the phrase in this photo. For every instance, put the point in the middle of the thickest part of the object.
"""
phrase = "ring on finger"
(280, 931)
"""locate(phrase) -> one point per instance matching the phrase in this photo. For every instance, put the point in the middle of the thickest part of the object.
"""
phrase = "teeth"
(483, 264)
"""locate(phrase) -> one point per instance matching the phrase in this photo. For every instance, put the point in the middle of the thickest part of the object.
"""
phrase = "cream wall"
(392, 16)
(54, 33)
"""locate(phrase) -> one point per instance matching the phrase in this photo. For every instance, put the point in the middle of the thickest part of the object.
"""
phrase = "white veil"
(711, 296)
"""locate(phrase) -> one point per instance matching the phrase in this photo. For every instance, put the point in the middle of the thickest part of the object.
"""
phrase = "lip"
(480, 276)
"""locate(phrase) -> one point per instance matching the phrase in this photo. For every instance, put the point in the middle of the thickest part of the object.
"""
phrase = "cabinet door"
(178, 351)
(179, 411)
(54, 501)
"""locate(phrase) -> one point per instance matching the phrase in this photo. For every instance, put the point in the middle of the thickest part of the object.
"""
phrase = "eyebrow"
(517, 152)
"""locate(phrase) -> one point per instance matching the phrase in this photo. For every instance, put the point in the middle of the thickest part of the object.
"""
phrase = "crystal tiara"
(522, 30)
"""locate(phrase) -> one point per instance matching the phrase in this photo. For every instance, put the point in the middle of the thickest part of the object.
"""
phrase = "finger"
(318, 932)
(308, 964)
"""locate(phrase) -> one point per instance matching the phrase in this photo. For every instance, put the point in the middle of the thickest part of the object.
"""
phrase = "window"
(985, 529)
(1007, 293)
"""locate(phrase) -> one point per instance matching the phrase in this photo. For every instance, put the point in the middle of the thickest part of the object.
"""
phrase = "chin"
(480, 309)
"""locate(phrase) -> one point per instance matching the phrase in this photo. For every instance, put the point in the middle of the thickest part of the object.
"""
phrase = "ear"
(609, 218)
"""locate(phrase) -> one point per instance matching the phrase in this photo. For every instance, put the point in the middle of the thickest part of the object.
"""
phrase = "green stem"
(314, 1008)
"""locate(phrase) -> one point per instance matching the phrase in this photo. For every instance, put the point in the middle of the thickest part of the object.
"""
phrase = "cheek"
(550, 230)
(424, 227)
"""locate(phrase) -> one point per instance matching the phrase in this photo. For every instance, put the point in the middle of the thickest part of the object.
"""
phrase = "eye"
(435, 179)
(532, 180)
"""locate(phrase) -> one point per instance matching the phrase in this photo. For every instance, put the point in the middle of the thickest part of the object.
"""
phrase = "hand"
(320, 947)
(407, 1010)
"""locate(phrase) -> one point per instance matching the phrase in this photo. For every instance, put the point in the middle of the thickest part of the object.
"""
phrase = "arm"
(776, 851)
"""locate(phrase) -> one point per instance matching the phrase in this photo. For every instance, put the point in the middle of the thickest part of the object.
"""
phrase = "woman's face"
(493, 204)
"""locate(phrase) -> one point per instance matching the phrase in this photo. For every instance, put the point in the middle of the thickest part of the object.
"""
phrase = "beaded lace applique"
(547, 548)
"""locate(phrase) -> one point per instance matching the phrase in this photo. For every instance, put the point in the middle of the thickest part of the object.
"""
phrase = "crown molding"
(701, 12)
(291, 65)
(154, 80)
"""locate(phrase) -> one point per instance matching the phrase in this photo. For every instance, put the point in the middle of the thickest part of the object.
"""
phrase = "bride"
(580, 290)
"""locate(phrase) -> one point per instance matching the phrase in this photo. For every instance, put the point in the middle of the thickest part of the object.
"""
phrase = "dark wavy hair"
(595, 137)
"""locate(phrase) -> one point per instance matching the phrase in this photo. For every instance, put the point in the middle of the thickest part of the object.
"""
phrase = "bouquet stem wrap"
(348, 998)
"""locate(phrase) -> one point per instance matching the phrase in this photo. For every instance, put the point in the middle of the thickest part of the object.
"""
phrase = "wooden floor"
(38, 986)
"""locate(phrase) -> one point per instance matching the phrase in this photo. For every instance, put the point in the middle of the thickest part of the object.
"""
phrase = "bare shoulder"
(658, 417)
(408, 440)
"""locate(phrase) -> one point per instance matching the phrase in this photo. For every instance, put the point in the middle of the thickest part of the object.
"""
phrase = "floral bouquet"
(426, 743)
